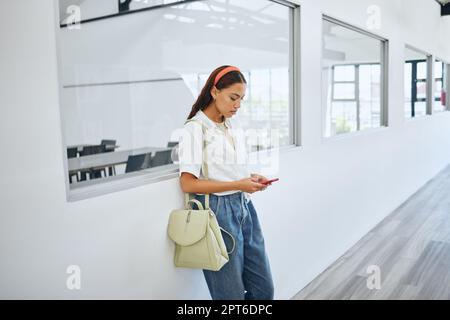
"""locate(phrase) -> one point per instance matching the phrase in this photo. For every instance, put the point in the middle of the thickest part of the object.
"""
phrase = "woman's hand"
(260, 179)
(250, 185)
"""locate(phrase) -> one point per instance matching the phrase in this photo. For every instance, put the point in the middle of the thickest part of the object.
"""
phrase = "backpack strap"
(205, 173)
(204, 162)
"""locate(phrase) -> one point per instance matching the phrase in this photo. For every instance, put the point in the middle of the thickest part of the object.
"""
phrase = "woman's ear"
(214, 92)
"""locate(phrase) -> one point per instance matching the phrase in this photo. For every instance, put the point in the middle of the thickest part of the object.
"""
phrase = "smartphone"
(270, 181)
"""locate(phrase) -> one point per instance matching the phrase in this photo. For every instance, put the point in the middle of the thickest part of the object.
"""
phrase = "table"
(107, 159)
(81, 146)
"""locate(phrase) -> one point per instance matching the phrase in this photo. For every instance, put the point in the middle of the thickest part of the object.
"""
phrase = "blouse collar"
(211, 122)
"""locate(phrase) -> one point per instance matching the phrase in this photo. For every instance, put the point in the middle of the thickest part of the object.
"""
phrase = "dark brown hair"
(205, 98)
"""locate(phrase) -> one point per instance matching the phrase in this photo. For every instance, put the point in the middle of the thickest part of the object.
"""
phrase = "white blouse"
(226, 154)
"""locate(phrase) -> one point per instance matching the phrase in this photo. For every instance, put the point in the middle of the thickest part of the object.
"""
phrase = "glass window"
(369, 95)
(344, 73)
(344, 91)
(407, 88)
(352, 79)
(421, 87)
(415, 83)
(123, 99)
(422, 70)
(440, 90)
(438, 69)
(345, 115)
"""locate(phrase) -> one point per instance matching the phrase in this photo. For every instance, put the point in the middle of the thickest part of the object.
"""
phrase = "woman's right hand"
(250, 185)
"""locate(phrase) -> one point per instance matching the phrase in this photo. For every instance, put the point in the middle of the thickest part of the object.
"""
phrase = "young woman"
(247, 275)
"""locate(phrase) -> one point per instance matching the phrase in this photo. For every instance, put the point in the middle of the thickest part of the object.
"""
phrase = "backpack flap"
(187, 227)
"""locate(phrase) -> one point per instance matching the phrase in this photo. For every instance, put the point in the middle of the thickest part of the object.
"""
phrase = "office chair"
(172, 144)
(161, 158)
(110, 147)
(93, 173)
(138, 162)
(72, 153)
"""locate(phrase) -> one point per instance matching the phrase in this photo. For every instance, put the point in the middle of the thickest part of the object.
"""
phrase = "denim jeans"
(247, 275)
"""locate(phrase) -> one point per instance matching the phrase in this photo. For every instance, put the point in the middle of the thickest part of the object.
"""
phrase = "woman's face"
(228, 100)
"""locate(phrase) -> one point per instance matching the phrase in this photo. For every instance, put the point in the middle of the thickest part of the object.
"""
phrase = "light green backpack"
(197, 234)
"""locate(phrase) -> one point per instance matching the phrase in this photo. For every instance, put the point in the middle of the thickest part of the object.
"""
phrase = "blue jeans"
(247, 275)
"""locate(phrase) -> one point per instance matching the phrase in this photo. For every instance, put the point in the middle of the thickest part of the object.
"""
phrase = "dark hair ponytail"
(205, 98)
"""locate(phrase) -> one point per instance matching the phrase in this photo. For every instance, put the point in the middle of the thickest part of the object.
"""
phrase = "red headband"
(224, 72)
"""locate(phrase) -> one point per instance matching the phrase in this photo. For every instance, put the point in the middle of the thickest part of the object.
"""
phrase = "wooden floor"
(411, 247)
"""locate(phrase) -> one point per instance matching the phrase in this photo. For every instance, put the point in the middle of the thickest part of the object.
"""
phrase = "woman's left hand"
(260, 179)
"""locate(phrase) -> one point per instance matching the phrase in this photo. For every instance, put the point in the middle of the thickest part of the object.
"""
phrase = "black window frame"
(414, 81)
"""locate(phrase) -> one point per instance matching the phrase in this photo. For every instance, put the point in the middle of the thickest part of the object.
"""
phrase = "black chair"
(110, 147)
(138, 162)
(161, 158)
(90, 150)
(72, 153)
(93, 173)
(172, 144)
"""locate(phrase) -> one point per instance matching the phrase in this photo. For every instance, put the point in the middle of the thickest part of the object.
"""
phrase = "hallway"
(411, 247)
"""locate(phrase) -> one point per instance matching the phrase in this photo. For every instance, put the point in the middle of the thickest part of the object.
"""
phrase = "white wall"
(330, 194)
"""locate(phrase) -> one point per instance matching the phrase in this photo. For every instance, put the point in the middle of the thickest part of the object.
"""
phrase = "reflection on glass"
(344, 73)
(415, 83)
(369, 95)
(440, 92)
(345, 115)
(351, 80)
(407, 88)
(438, 69)
(421, 70)
(421, 90)
(344, 91)
(420, 109)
